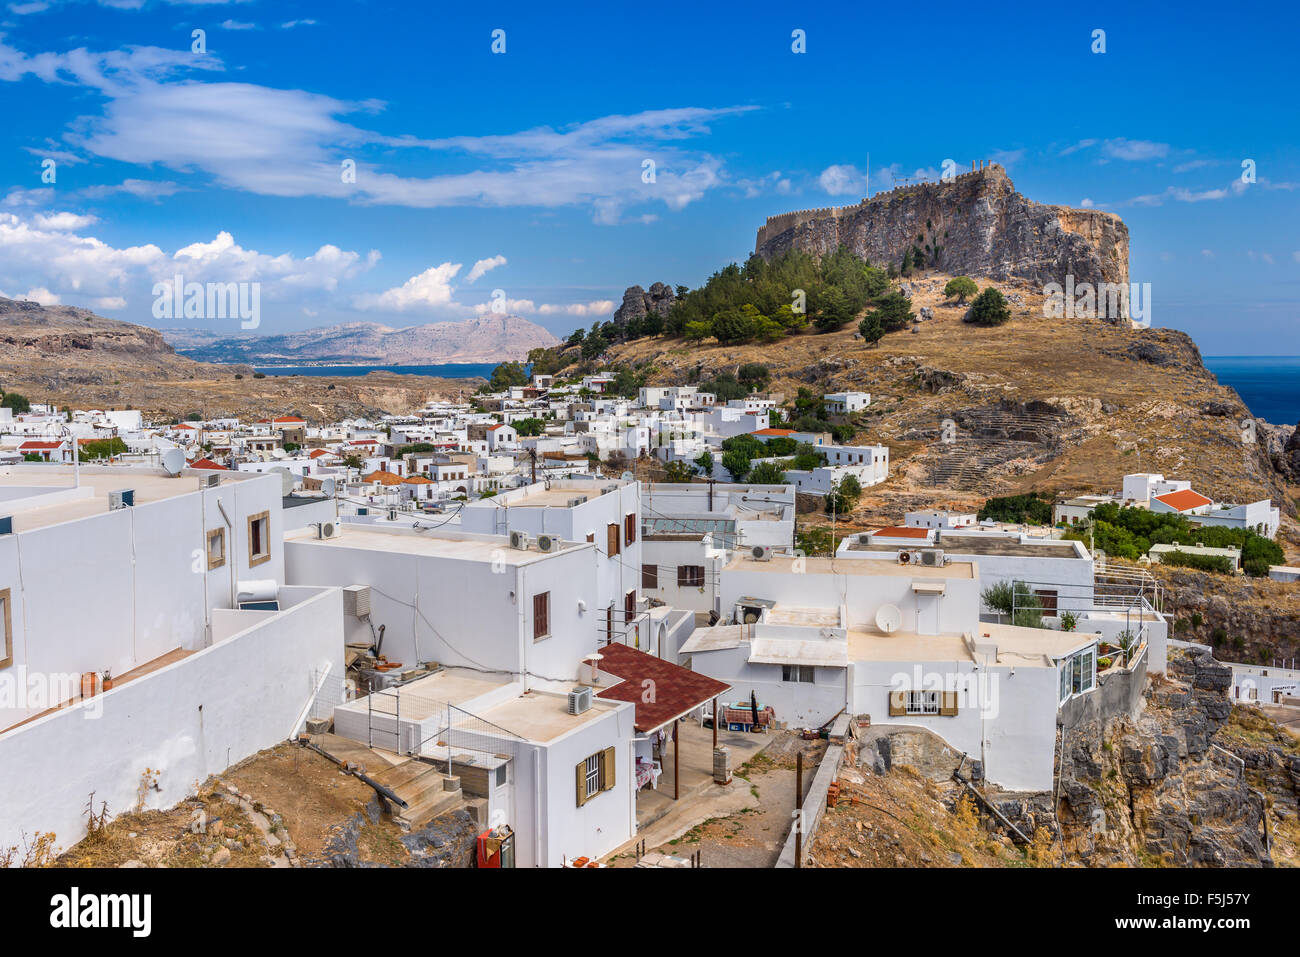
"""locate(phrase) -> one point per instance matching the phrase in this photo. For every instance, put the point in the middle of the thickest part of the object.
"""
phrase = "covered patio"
(665, 693)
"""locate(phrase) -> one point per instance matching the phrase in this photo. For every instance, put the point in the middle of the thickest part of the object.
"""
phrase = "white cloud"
(292, 142)
(63, 221)
(1085, 203)
(140, 188)
(484, 266)
(504, 306)
(290, 24)
(597, 307)
(431, 289)
(843, 180)
(1207, 253)
(108, 302)
(238, 25)
(1134, 150)
(42, 295)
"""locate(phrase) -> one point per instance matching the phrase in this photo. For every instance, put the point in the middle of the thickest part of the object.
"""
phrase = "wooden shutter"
(609, 623)
(582, 783)
(591, 536)
(897, 703)
(629, 528)
(607, 769)
(1047, 599)
(611, 535)
(629, 605)
(649, 576)
(541, 615)
(948, 704)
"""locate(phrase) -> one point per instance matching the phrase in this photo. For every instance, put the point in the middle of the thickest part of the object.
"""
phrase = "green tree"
(871, 329)
(893, 311)
(988, 309)
(906, 268)
(815, 541)
(529, 426)
(734, 326)
(16, 401)
(768, 473)
(998, 597)
(507, 374)
(843, 496)
(677, 471)
(754, 374)
(705, 463)
(736, 461)
(960, 288)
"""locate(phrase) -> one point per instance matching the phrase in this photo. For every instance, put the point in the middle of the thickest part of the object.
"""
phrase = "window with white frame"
(593, 775)
(803, 673)
(1078, 673)
(922, 702)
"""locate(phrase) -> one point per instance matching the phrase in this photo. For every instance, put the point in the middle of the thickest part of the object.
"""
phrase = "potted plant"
(107, 683)
(1069, 621)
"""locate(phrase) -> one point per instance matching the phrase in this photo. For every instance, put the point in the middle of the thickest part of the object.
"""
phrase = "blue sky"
(522, 172)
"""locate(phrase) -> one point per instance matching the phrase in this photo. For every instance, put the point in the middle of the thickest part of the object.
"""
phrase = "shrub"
(960, 288)
(894, 312)
(1205, 563)
(988, 309)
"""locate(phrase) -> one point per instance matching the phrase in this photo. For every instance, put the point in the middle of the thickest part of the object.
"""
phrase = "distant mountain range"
(484, 339)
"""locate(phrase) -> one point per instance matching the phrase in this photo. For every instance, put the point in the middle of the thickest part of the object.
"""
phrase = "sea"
(1269, 385)
(454, 370)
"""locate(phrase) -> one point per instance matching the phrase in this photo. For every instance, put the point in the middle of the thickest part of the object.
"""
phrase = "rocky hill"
(1038, 404)
(489, 338)
(978, 225)
(72, 357)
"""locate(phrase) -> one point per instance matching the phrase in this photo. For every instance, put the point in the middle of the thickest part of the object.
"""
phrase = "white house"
(846, 403)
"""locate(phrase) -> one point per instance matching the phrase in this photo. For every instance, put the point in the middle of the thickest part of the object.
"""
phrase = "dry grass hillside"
(1051, 405)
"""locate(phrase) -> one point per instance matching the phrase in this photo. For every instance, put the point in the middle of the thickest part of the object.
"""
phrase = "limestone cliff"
(976, 224)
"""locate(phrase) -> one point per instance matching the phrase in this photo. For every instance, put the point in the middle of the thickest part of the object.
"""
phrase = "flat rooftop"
(1018, 646)
(429, 696)
(785, 564)
(23, 486)
(780, 614)
(541, 716)
(982, 545)
(433, 543)
(557, 496)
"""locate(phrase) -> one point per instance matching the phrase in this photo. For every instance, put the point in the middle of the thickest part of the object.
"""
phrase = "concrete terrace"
(431, 542)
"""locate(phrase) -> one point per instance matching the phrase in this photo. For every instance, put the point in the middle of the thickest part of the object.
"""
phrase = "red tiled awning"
(674, 692)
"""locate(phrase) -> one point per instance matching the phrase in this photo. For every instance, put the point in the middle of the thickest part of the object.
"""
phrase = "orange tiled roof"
(773, 432)
(1184, 500)
(208, 464)
(383, 478)
(902, 531)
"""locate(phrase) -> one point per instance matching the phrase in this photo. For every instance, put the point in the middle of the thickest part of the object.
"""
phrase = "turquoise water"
(1269, 385)
(462, 370)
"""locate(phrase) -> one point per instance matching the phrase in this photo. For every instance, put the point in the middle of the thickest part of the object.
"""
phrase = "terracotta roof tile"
(677, 690)
(1184, 500)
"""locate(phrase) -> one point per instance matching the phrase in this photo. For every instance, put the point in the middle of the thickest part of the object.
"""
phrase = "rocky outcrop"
(977, 225)
(638, 303)
(1156, 789)
(1244, 619)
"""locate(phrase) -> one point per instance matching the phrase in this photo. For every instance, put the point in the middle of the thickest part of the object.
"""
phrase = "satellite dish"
(626, 476)
(327, 486)
(173, 460)
(286, 479)
(889, 619)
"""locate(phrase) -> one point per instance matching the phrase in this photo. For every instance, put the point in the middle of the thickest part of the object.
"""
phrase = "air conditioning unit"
(328, 530)
(577, 501)
(761, 553)
(122, 498)
(210, 480)
(548, 543)
(519, 540)
(932, 557)
(356, 601)
(906, 557)
(579, 700)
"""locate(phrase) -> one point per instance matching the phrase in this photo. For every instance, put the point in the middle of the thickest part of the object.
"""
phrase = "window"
(1079, 673)
(629, 528)
(943, 703)
(611, 539)
(6, 630)
(1046, 598)
(609, 622)
(629, 606)
(594, 775)
(216, 548)
(591, 536)
(259, 538)
(649, 576)
(541, 616)
(802, 673)
(690, 576)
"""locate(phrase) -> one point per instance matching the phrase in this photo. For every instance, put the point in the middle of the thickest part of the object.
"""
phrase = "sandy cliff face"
(980, 225)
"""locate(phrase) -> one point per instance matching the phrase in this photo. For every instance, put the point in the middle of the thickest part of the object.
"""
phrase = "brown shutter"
(897, 703)
(541, 615)
(649, 576)
(629, 606)
(629, 528)
(582, 783)
(611, 547)
(607, 769)
(609, 623)
(948, 705)
(591, 536)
